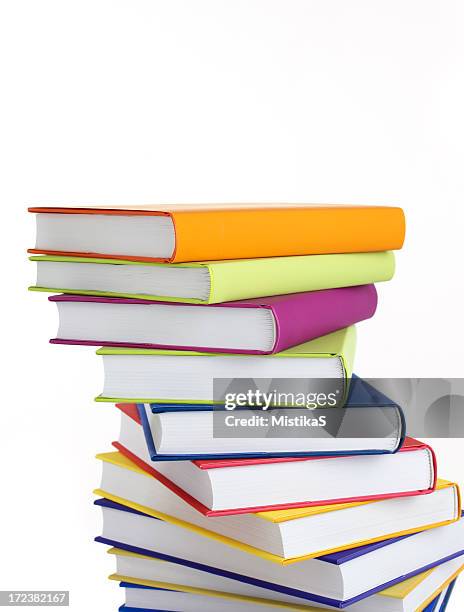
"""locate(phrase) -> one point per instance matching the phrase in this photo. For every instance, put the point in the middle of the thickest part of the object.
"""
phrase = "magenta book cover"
(298, 317)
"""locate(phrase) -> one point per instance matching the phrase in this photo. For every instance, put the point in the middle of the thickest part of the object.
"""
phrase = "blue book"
(175, 545)
(369, 424)
(439, 604)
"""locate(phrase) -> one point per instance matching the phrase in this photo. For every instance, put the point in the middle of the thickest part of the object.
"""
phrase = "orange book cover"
(248, 231)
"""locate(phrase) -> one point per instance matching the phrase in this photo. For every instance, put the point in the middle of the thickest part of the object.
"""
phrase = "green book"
(210, 282)
(187, 377)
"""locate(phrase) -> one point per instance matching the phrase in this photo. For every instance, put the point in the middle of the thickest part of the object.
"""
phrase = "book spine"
(310, 315)
(241, 233)
(241, 280)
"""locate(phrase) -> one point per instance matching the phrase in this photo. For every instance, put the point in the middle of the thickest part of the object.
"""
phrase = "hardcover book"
(260, 326)
(283, 536)
(260, 484)
(187, 377)
(179, 233)
(340, 579)
(210, 282)
(146, 595)
(369, 423)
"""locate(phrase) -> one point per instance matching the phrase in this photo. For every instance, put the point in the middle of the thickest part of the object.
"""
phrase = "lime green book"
(210, 282)
(188, 377)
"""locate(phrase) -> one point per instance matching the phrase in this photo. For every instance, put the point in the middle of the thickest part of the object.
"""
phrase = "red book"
(240, 486)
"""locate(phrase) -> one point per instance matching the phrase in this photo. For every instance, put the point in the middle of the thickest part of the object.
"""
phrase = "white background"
(351, 101)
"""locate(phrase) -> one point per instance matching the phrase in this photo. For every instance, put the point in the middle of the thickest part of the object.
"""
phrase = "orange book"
(185, 233)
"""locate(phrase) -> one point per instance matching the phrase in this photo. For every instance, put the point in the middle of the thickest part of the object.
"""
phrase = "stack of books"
(188, 304)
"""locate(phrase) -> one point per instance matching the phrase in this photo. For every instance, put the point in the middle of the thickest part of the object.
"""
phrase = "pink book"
(256, 326)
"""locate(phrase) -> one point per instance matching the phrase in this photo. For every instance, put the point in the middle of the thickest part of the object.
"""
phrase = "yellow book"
(413, 594)
(284, 536)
